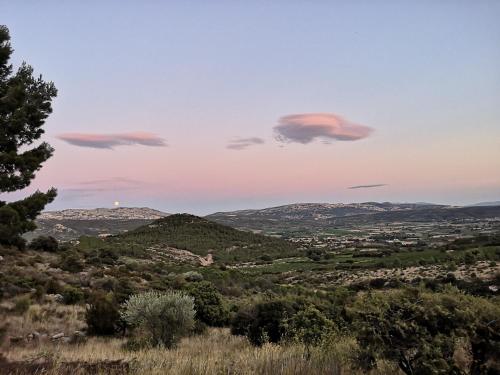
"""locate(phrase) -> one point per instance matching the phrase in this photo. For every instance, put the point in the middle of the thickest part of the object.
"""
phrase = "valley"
(329, 265)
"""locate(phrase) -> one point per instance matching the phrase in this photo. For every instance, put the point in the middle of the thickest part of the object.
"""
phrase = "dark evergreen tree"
(25, 103)
(209, 304)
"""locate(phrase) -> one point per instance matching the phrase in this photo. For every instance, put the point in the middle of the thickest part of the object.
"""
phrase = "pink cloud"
(304, 128)
(109, 141)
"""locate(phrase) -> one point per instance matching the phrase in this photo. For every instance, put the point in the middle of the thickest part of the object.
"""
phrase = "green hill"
(203, 237)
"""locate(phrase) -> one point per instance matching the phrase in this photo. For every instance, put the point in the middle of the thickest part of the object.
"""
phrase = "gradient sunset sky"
(203, 106)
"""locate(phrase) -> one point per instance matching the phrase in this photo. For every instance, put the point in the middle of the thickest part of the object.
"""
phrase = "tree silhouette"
(25, 103)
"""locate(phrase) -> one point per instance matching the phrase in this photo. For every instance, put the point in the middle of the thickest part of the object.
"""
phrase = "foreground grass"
(216, 352)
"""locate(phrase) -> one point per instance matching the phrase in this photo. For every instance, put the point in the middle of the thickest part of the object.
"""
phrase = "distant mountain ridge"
(118, 213)
(316, 216)
(310, 217)
(331, 209)
(485, 204)
(320, 211)
(72, 223)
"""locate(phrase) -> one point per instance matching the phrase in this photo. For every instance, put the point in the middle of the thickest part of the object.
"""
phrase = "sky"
(197, 106)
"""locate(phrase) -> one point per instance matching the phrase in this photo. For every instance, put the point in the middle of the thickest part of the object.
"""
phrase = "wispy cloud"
(243, 143)
(96, 187)
(109, 141)
(305, 128)
(366, 186)
(113, 181)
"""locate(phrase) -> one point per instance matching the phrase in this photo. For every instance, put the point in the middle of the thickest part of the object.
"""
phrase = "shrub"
(53, 287)
(164, 317)
(241, 322)
(193, 276)
(103, 256)
(419, 329)
(22, 304)
(102, 315)
(71, 262)
(44, 243)
(264, 322)
(484, 336)
(199, 328)
(315, 254)
(10, 227)
(469, 258)
(72, 295)
(309, 326)
(123, 290)
(209, 305)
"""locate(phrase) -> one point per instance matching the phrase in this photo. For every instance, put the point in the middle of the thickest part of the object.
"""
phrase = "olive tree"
(164, 318)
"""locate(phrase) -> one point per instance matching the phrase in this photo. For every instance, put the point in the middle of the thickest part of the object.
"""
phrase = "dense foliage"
(419, 329)
(25, 103)
(263, 322)
(44, 243)
(102, 315)
(164, 318)
(209, 304)
(309, 326)
(202, 237)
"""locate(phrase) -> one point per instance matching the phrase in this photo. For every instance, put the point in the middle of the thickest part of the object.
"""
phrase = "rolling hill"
(191, 237)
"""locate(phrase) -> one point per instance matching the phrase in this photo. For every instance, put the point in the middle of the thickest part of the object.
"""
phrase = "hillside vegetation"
(203, 237)
(265, 305)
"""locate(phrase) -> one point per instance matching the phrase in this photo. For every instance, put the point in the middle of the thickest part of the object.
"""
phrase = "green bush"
(103, 256)
(72, 295)
(71, 262)
(484, 336)
(44, 243)
(10, 227)
(209, 304)
(123, 289)
(266, 258)
(242, 320)
(193, 276)
(419, 329)
(309, 326)
(102, 315)
(469, 257)
(263, 322)
(164, 318)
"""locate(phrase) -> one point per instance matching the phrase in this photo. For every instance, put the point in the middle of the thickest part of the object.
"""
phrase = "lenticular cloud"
(305, 128)
(109, 141)
(243, 143)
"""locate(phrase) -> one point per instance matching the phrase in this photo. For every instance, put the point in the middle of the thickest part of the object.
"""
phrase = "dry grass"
(217, 352)
(48, 318)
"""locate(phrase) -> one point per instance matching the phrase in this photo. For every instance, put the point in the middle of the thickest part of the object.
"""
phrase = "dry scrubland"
(215, 352)
(44, 293)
